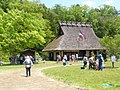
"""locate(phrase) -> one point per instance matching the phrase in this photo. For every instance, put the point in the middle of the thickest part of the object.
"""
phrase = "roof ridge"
(71, 23)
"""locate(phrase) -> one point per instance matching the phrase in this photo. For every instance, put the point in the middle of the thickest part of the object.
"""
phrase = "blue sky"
(91, 3)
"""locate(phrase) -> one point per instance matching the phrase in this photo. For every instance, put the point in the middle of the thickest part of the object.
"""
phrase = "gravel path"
(16, 80)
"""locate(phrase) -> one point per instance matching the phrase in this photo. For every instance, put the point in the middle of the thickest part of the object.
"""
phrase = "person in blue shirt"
(100, 60)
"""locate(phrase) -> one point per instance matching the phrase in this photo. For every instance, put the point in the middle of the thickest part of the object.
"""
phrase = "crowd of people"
(92, 62)
(66, 58)
(98, 62)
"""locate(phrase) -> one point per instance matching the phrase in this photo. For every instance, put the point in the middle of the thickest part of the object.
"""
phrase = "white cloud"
(108, 2)
(90, 3)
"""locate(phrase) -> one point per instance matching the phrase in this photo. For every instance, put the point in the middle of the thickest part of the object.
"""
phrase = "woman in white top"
(28, 64)
(113, 59)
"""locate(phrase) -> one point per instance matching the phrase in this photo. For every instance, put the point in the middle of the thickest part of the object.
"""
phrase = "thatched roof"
(70, 38)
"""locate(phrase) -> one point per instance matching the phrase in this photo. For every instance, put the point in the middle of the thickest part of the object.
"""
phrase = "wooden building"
(74, 38)
(28, 52)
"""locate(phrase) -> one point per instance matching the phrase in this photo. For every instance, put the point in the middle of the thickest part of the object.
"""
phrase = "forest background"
(26, 24)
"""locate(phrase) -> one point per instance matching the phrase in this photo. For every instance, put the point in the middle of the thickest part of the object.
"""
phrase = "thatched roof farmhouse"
(74, 38)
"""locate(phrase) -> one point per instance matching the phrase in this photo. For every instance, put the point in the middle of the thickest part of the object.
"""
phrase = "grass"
(90, 79)
(7, 66)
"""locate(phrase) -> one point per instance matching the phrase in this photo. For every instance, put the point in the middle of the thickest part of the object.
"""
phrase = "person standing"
(64, 60)
(28, 62)
(100, 60)
(85, 60)
(91, 62)
(58, 58)
(113, 59)
(73, 59)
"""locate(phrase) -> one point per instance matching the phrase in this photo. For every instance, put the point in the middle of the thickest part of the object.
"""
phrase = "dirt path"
(16, 80)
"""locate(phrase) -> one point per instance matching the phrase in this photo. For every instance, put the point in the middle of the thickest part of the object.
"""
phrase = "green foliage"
(61, 11)
(73, 13)
(4, 4)
(23, 30)
(112, 44)
(107, 10)
(23, 27)
(107, 26)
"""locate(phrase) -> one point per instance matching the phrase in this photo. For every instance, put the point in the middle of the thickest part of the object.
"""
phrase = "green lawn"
(7, 66)
(91, 79)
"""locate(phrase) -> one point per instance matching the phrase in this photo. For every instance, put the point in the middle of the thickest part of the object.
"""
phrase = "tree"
(25, 25)
(107, 26)
(23, 30)
(107, 10)
(104, 20)
(4, 4)
(61, 11)
(112, 44)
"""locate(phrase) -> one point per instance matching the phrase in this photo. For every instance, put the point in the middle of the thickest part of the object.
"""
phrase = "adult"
(113, 59)
(73, 59)
(28, 62)
(58, 58)
(85, 60)
(91, 62)
(64, 60)
(100, 60)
